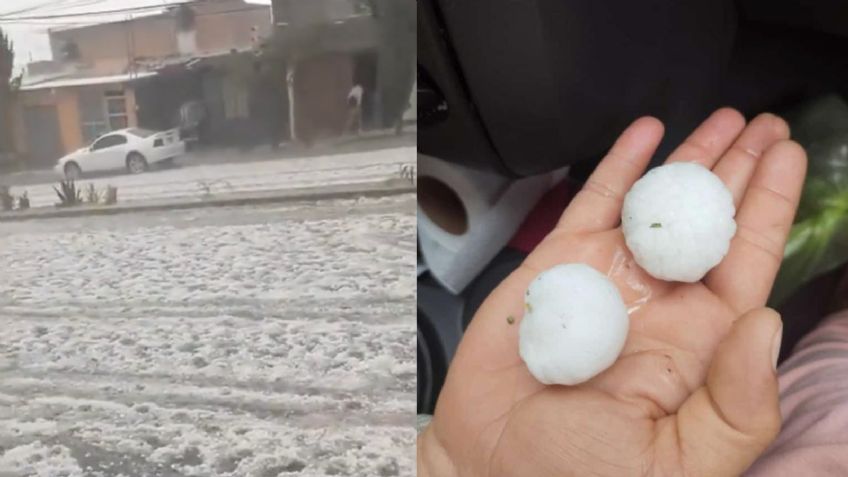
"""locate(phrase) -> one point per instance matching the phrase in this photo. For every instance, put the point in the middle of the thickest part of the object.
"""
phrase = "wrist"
(433, 459)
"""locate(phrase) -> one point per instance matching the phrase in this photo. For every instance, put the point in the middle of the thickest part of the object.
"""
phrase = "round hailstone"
(678, 221)
(574, 326)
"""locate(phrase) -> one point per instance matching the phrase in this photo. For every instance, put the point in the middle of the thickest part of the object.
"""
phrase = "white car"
(132, 149)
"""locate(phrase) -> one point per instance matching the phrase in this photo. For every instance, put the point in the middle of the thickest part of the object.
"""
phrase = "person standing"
(354, 110)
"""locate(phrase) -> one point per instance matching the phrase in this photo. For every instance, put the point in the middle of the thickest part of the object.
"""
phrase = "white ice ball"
(678, 221)
(575, 324)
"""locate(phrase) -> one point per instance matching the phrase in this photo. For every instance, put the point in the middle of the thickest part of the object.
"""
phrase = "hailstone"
(574, 326)
(678, 221)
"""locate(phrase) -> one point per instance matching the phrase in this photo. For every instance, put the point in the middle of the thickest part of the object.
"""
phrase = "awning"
(85, 81)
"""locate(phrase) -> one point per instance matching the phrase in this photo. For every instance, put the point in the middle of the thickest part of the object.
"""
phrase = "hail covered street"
(255, 341)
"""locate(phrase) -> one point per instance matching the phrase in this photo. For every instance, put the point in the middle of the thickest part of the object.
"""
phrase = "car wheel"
(136, 163)
(72, 171)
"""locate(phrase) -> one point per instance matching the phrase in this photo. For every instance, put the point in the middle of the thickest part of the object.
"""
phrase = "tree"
(7, 62)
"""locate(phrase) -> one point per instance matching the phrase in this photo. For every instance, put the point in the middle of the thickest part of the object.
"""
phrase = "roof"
(85, 81)
(189, 61)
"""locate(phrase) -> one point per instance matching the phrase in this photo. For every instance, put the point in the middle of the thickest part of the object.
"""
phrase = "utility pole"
(290, 72)
(130, 44)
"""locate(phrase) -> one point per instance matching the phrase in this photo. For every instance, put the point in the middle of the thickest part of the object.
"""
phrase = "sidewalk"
(372, 141)
(208, 182)
(369, 141)
(372, 188)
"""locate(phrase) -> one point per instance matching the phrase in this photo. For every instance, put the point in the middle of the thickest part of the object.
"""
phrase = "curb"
(382, 188)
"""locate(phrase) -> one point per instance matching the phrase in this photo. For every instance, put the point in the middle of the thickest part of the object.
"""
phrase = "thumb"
(724, 426)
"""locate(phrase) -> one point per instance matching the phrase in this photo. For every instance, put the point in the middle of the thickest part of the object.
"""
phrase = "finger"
(651, 379)
(724, 426)
(737, 165)
(597, 206)
(745, 276)
(709, 141)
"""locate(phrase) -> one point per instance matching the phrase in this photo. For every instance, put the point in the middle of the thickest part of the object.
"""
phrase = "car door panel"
(116, 155)
(93, 160)
(107, 153)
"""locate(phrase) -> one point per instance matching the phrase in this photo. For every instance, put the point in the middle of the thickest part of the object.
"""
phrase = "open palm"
(694, 391)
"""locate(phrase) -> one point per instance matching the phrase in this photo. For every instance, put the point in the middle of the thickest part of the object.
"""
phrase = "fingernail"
(775, 346)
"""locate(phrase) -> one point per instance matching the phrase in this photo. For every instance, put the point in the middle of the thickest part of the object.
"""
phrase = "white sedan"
(133, 149)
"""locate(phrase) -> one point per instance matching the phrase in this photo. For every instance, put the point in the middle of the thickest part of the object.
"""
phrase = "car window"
(108, 141)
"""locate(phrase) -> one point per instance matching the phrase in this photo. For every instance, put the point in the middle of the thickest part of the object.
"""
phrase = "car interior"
(526, 88)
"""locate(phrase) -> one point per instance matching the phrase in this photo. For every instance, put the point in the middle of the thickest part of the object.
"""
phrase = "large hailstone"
(574, 326)
(678, 221)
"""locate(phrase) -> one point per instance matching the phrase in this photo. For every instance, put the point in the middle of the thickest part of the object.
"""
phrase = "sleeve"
(814, 405)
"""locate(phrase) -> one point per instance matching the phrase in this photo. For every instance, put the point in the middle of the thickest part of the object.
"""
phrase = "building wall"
(110, 47)
(220, 26)
(132, 107)
(69, 120)
(225, 25)
(66, 102)
(312, 12)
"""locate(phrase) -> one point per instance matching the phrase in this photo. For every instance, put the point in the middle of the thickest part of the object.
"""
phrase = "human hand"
(694, 391)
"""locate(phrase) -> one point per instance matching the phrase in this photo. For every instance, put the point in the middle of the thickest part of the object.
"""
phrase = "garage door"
(44, 141)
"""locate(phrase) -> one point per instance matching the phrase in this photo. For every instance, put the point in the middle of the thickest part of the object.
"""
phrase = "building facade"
(328, 47)
(138, 72)
(262, 73)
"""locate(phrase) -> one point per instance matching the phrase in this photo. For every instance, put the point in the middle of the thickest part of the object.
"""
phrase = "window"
(93, 129)
(109, 141)
(92, 114)
(116, 110)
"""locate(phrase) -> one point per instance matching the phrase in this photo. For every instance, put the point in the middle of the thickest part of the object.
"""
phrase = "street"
(249, 342)
(213, 156)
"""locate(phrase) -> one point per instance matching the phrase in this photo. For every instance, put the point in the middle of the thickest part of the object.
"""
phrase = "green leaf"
(818, 241)
(815, 246)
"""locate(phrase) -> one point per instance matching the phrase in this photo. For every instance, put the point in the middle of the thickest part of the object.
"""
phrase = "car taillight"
(158, 143)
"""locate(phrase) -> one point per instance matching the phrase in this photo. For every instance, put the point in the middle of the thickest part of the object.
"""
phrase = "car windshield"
(141, 132)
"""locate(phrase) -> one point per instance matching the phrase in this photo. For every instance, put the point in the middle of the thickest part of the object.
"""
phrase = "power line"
(75, 4)
(57, 19)
(27, 9)
(60, 16)
(52, 5)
